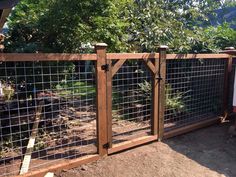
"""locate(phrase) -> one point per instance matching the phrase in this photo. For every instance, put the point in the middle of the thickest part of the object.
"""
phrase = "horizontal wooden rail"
(132, 143)
(192, 127)
(67, 164)
(110, 56)
(124, 56)
(196, 56)
(46, 57)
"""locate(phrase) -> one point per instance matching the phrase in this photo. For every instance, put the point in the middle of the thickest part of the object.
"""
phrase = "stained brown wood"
(66, 164)
(132, 143)
(228, 73)
(130, 56)
(155, 98)
(117, 66)
(45, 57)
(109, 104)
(150, 65)
(189, 128)
(111, 56)
(196, 56)
(161, 110)
(3, 17)
(102, 130)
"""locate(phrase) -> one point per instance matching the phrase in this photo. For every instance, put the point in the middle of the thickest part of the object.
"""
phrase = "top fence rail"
(46, 57)
(110, 56)
(125, 56)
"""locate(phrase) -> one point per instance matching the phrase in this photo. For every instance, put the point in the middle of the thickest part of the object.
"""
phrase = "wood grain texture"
(111, 56)
(101, 80)
(46, 57)
(192, 127)
(67, 164)
(162, 99)
(127, 56)
(3, 17)
(228, 74)
(117, 66)
(151, 67)
(196, 56)
(131, 143)
(155, 98)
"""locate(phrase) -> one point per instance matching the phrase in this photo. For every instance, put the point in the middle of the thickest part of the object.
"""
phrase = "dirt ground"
(208, 152)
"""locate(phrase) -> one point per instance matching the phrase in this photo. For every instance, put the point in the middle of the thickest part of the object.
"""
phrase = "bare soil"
(209, 152)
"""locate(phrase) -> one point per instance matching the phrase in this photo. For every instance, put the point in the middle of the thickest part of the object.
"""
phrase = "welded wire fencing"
(62, 110)
(194, 91)
(131, 101)
(52, 103)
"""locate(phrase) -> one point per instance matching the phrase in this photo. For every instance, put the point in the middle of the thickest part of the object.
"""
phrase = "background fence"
(59, 110)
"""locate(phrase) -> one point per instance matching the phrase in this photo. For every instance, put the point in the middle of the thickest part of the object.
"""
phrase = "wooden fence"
(122, 99)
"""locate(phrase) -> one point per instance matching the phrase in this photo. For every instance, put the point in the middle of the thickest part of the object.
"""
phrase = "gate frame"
(158, 73)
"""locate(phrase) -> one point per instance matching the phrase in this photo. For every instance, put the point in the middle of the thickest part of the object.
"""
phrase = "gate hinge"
(105, 67)
(106, 146)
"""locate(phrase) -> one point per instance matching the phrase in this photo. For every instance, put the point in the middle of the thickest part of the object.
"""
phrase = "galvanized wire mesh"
(131, 101)
(60, 97)
(194, 91)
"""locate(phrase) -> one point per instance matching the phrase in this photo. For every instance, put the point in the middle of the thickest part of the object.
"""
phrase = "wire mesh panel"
(131, 101)
(52, 103)
(194, 91)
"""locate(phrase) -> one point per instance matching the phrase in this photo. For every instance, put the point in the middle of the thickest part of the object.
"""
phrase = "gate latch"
(106, 146)
(159, 78)
(105, 67)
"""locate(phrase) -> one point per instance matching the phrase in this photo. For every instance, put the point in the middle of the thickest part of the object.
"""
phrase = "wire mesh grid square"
(131, 101)
(194, 91)
(53, 102)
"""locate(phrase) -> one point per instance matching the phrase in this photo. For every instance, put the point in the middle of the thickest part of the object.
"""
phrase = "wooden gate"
(134, 96)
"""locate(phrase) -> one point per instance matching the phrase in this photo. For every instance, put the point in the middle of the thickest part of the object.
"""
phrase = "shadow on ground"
(211, 147)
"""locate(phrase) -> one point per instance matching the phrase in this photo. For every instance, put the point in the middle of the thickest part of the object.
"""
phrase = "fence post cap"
(229, 48)
(163, 47)
(101, 45)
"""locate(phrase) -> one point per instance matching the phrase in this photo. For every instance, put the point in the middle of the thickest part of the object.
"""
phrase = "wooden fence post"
(162, 100)
(101, 82)
(155, 98)
(227, 79)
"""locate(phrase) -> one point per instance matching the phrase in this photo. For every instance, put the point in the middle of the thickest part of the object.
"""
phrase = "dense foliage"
(125, 25)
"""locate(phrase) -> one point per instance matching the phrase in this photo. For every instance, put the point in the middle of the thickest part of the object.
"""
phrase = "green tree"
(125, 25)
(173, 23)
(24, 34)
(62, 26)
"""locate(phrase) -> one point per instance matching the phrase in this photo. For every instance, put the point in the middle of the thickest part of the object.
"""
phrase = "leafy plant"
(125, 25)
(174, 100)
(7, 91)
(146, 89)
